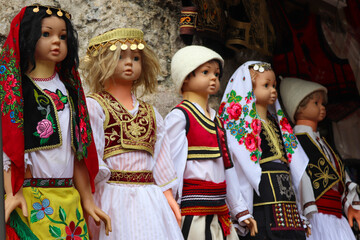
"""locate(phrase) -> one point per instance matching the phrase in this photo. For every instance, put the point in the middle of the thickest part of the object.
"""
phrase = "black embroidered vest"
(40, 113)
(322, 173)
(272, 144)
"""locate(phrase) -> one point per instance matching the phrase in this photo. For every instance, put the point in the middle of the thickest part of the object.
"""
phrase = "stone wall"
(157, 18)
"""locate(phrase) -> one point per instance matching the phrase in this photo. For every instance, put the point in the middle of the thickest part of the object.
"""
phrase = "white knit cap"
(294, 90)
(189, 58)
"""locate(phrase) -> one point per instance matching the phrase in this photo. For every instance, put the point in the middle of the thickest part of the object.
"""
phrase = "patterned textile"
(131, 177)
(206, 198)
(12, 108)
(53, 213)
(124, 132)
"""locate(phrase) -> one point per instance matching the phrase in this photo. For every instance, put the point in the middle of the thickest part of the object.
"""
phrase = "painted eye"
(45, 34)
(205, 72)
(63, 37)
(120, 57)
(217, 74)
(136, 59)
(266, 85)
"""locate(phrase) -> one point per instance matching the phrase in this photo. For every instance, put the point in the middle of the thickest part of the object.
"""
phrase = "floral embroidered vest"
(272, 145)
(41, 126)
(206, 138)
(322, 173)
(124, 132)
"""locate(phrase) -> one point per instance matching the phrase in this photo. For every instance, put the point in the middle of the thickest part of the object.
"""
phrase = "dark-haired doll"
(48, 147)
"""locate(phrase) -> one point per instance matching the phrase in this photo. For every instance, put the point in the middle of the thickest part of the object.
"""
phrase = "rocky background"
(157, 18)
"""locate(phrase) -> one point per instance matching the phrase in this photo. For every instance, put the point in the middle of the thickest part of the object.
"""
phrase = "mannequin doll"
(325, 197)
(266, 154)
(48, 146)
(199, 150)
(136, 173)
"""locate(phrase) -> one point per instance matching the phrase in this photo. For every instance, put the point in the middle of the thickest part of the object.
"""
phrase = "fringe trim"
(21, 229)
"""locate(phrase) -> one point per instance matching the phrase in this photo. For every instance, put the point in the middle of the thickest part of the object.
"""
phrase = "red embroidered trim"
(356, 203)
(45, 79)
(241, 214)
(131, 177)
(309, 204)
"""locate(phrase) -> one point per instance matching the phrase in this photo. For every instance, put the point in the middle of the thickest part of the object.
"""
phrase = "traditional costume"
(45, 129)
(267, 157)
(135, 169)
(133, 152)
(332, 191)
(207, 190)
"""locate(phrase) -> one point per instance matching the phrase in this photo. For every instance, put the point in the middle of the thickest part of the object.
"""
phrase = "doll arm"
(306, 200)
(350, 197)
(164, 172)
(97, 118)
(173, 205)
(13, 201)
(81, 181)
(237, 204)
(175, 123)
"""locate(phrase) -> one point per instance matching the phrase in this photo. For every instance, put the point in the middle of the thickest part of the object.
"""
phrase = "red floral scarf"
(12, 104)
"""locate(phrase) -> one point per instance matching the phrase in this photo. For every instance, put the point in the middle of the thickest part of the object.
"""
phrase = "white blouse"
(57, 162)
(207, 170)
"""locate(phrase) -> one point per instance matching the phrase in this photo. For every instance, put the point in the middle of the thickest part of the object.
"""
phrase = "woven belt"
(131, 177)
(48, 182)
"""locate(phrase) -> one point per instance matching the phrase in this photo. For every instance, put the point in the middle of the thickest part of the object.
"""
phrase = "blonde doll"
(136, 173)
(48, 146)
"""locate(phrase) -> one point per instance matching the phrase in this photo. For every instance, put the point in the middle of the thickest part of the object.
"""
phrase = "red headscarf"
(12, 104)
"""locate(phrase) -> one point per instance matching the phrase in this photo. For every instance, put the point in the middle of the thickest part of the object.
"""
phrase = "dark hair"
(212, 60)
(30, 32)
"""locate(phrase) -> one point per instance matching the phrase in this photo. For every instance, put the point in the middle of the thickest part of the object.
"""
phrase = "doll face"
(206, 79)
(265, 88)
(52, 45)
(314, 110)
(128, 68)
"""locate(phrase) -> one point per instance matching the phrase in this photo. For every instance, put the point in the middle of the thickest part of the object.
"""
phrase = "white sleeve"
(97, 118)
(350, 196)
(164, 172)
(175, 123)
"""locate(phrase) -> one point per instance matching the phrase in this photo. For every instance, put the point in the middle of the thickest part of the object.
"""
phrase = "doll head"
(264, 83)
(301, 98)
(312, 107)
(104, 56)
(189, 63)
(31, 32)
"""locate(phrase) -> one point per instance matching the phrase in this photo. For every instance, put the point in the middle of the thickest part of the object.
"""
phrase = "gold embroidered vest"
(124, 132)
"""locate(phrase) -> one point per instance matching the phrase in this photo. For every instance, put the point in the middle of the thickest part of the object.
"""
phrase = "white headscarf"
(243, 127)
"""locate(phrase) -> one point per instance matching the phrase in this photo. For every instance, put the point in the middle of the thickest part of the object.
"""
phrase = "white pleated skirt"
(330, 227)
(136, 211)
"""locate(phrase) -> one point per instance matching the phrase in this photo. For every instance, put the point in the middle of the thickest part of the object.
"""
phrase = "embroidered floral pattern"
(59, 98)
(245, 132)
(73, 231)
(46, 127)
(290, 140)
(40, 209)
(10, 89)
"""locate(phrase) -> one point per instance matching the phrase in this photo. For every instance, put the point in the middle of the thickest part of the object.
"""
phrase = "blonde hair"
(99, 69)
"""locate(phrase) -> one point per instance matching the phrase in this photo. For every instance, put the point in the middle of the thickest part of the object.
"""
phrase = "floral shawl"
(12, 104)
(243, 126)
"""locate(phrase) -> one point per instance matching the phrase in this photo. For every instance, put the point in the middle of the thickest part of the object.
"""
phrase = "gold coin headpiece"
(108, 40)
(49, 10)
(261, 67)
